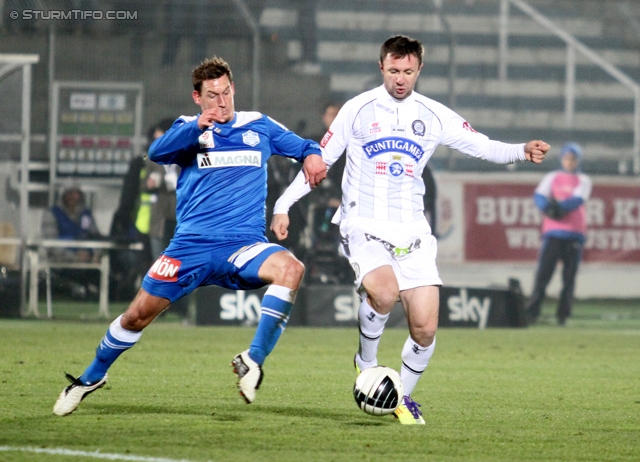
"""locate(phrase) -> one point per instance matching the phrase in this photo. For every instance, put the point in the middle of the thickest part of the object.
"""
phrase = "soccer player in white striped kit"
(389, 134)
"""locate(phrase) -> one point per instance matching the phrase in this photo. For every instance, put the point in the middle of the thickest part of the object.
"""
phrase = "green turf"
(543, 393)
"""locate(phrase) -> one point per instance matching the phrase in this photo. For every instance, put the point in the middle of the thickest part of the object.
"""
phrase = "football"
(378, 390)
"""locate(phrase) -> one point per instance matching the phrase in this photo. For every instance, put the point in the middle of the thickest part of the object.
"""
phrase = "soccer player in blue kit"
(220, 236)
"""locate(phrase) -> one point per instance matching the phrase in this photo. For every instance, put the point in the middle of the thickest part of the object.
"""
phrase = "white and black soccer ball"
(378, 390)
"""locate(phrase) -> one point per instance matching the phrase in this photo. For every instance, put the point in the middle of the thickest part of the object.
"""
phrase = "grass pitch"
(541, 393)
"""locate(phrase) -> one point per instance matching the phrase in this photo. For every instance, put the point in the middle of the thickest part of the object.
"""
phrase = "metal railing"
(573, 45)
(9, 63)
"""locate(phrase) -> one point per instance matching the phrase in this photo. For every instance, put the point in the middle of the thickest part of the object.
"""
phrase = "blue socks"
(276, 307)
(113, 344)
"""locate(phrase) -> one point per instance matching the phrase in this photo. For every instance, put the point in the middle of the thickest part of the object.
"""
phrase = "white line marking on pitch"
(95, 455)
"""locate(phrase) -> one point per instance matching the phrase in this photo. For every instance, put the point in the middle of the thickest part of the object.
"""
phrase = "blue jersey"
(222, 186)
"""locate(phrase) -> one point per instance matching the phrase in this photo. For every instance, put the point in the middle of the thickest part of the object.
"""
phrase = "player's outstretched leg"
(113, 344)
(415, 360)
(276, 307)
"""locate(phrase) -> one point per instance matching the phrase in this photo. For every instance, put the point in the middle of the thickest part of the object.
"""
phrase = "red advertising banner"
(502, 223)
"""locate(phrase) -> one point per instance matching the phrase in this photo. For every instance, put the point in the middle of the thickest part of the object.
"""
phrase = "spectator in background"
(70, 219)
(125, 264)
(280, 172)
(561, 195)
(159, 187)
(334, 175)
(326, 263)
(330, 188)
(146, 213)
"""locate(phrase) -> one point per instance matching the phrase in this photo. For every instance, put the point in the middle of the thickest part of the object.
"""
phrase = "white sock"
(371, 328)
(415, 360)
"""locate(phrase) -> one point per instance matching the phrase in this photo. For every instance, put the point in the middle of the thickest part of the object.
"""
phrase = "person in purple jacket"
(561, 195)
(220, 236)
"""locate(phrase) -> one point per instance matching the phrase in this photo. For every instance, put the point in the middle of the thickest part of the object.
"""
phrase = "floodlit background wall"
(553, 69)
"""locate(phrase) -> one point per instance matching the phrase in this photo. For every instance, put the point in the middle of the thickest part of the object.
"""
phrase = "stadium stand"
(529, 104)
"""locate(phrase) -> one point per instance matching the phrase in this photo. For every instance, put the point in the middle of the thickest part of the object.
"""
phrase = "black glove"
(554, 210)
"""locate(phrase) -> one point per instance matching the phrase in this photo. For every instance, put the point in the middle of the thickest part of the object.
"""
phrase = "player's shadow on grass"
(356, 418)
(238, 414)
(141, 409)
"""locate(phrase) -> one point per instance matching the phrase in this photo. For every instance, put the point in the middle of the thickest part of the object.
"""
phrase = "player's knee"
(424, 335)
(383, 301)
(144, 309)
(291, 272)
(133, 321)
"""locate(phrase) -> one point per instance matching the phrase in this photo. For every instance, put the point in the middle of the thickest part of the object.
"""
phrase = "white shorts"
(409, 249)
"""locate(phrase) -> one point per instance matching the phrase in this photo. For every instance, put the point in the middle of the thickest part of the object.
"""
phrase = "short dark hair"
(68, 191)
(400, 46)
(210, 69)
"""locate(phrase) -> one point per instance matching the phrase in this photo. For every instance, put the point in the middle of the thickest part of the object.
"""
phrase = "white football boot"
(249, 375)
(70, 398)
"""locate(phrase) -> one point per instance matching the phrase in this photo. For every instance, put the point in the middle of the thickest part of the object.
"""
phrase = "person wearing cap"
(561, 196)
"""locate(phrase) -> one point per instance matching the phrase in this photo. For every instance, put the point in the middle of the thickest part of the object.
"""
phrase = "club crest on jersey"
(206, 140)
(418, 127)
(165, 269)
(393, 144)
(396, 169)
(250, 138)
(325, 139)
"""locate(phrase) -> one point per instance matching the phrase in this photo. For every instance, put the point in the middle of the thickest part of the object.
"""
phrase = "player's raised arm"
(179, 140)
(536, 150)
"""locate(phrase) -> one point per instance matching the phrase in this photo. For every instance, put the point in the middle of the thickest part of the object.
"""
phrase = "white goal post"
(10, 64)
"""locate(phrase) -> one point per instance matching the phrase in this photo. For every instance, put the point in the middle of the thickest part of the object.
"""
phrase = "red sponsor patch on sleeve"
(325, 139)
(466, 126)
(165, 269)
